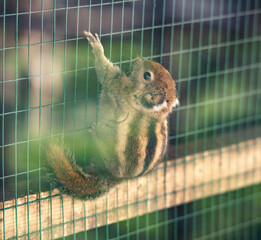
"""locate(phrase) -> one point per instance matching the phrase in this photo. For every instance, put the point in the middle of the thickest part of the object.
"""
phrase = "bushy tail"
(71, 179)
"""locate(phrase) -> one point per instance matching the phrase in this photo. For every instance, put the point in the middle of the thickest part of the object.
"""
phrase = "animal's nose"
(154, 98)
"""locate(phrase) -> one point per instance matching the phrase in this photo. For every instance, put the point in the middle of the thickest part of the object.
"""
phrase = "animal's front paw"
(94, 42)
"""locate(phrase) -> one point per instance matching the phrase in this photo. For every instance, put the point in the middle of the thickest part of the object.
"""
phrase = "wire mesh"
(48, 88)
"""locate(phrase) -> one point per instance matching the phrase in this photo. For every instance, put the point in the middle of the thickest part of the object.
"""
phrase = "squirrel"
(131, 136)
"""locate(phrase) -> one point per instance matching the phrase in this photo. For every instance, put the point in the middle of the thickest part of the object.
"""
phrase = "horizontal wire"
(202, 48)
(219, 126)
(141, 29)
(180, 135)
(51, 10)
(203, 103)
(159, 168)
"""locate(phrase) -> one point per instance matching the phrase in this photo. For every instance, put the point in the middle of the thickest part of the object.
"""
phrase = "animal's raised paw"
(94, 40)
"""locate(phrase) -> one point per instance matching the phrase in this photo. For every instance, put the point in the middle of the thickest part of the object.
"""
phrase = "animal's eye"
(147, 76)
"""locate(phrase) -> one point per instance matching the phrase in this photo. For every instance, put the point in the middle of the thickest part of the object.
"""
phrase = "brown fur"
(131, 135)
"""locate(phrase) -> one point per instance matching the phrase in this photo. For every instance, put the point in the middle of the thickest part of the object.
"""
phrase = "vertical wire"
(52, 93)
(87, 88)
(175, 225)
(257, 109)
(16, 103)
(64, 95)
(100, 25)
(206, 111)
(112, 12)
(52, 105)
(212, 198)
(120, 65)
(97, 103)
(98, 83)
(179, 87)
(106, 211)
(245, 56)
(75, 99)
(40, 114)
(179, 76)
(152, 29)
(190, 60)
(127, 182)
(216, 87)
(242, 88)
(122, 28)
(97, 114)
(3, 119)
(117, 204)
(96, 223)
(233, 106)
(215, 114)
(75, 77)
(65, 69)
(131, 57)
(142, 26)
(257, 125)
(165, 163)
(28, 132)
(86, 109)
(206, 106)
(198, 96)
(156, 187)
(162, 30)
(132, 30)
(98, 92)
(137, 185)
(141, 53)
(198, 93)
(225, 93)
(110, 57)
(251, 109)
(166, 231)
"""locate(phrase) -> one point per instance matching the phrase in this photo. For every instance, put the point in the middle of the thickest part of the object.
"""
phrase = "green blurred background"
(48, 85)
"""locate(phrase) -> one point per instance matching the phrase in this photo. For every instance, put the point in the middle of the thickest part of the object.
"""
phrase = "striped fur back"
(140, 144)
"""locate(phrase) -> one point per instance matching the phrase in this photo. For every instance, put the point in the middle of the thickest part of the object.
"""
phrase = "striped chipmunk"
(131, 135)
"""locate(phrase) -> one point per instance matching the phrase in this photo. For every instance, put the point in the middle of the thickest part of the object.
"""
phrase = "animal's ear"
(139, 59)
(137, 64)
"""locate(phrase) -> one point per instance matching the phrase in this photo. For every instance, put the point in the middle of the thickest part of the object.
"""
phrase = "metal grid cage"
(209, 184)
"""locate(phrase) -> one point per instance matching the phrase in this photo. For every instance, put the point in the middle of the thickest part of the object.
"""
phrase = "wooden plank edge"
(177, 182)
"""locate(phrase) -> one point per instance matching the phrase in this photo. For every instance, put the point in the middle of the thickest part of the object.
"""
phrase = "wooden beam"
(173, 183)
